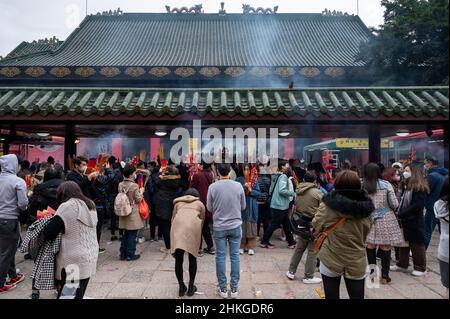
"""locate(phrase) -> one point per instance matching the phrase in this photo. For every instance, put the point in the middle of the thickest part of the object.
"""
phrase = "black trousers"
(179, 256)
(355, 288)
(263, 217)
(81, 290)
(164, 226)
(206, 232)
(279, 218)
(9, 241)
(112, 215)
(153, 221)
(101, 211)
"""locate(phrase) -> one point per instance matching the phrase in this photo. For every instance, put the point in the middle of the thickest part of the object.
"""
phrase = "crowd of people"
(345, 220)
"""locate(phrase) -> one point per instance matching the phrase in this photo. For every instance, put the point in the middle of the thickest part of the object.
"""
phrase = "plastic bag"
(144, 210)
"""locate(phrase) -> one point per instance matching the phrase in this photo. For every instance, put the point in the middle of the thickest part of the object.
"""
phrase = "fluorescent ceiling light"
(43, 134)
(284, 134)
(160, 133)
(402, 133)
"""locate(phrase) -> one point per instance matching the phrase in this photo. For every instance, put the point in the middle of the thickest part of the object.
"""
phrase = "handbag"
(301, 225)
(144, 210)
(327, 232)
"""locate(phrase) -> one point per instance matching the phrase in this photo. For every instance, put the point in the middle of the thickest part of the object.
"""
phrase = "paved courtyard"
(262, 276)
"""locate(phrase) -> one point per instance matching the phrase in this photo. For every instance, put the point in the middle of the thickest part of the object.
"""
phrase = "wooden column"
(9, 139)
(374, 143)
(445, 146)
(70, 148)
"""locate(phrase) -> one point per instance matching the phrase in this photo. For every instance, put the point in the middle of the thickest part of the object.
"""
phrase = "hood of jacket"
(441, 209)
(84, 215)
(304, 187)
(351, 203)
(9, 164)
(186, 199)
(440, 170)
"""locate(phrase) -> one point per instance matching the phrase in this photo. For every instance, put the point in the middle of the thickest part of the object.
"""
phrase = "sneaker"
(292, 246)
(159, 238)
(399, 269)
(241, 251)
(7, 288)
(164, 250)
(14, 281)
(135, 257)
(211, 251)
(251, 252)
(290, 275)
(101, 250)
(267, 245)
(200, 253)
(313, 280)
(141, 240)
(223, 293)
(234, 294)
(417, 273)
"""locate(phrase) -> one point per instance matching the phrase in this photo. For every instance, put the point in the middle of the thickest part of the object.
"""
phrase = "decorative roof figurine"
(117, 12)
(247, 9)
(327, 12)
(195, 9)
(222, 10)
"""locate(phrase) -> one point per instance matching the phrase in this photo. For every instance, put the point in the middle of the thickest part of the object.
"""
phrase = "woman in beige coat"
(185, 236)
(131, 223)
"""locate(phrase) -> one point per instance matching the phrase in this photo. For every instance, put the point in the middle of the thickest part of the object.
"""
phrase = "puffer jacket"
(344, 250)
(168, 188)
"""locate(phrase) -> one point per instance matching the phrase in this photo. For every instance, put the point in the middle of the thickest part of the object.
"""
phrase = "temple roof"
(193, 40)
(29, 48)
(424, 103)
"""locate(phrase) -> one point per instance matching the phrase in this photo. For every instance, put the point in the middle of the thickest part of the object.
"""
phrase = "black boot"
(372, 259)
(182, 290)
(191, 291)
(385, 266)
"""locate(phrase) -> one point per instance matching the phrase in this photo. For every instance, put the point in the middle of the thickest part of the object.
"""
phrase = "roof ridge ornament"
(247, 9)
(198, 8)
(117, 12)
(222, 8)
(327, 12)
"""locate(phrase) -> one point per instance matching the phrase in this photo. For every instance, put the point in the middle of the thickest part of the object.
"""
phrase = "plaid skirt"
(386, 231)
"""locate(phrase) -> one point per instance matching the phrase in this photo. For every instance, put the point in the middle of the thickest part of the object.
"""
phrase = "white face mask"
(406, 175)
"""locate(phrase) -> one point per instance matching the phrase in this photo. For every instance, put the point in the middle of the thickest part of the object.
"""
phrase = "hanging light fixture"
(77, 140)
(43, 134)
(160, 133)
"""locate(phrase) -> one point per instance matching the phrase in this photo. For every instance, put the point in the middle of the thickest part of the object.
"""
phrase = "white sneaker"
(290, 275)
(417, 273)
(313, 280)
(141, 240)
(223, 294)
(251, 252)
(397, 268)
(241, 251)
(234, 295)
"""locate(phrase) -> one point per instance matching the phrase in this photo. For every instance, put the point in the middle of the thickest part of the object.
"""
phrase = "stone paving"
(262, 276)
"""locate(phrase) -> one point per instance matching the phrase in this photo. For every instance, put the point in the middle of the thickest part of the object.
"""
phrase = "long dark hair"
(418, 181)
(69, 190)
(371, 175)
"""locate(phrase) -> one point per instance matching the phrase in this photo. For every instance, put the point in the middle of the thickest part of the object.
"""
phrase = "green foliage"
(412, 45)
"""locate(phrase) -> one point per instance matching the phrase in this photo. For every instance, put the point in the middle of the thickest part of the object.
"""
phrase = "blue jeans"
(128, 245)
(233, 237)
(430, 224)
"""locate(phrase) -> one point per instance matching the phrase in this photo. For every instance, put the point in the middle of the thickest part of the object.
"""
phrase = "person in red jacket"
(201, 181)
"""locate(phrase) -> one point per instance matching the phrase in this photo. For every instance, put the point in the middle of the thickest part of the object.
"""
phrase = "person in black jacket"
(112, 190)
(44, 195)
(168, 188)
(263, 205)
(411, 218)
(77, 176)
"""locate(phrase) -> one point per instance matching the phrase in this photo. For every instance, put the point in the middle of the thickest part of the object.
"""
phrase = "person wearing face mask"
(436, 178)
(77, 176)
